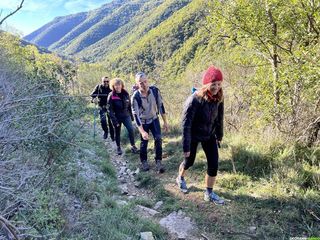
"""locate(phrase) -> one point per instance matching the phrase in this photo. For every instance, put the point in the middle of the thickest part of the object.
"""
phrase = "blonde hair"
(116, 81)
(203, 93)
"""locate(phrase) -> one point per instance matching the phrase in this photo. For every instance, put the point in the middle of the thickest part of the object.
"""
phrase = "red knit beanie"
(211, 75)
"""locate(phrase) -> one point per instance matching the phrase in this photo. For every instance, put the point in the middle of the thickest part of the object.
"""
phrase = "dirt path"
(178, 224)
(126, 177)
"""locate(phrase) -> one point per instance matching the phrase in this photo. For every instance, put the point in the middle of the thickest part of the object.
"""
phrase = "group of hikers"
(202, 122)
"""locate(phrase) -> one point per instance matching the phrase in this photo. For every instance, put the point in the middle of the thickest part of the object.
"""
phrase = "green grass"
(273, 186)
(95, 190)
(120, 223)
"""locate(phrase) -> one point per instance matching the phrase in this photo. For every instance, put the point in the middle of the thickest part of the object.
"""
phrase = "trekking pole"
(95, 113)
(218, 143)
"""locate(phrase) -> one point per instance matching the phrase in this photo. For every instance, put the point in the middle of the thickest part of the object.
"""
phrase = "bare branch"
(9, 227)
(10, 14)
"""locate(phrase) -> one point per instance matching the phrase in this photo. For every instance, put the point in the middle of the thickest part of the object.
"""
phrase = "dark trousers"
(128, 124)
(210, 148)
(104, 125)
(155, 129)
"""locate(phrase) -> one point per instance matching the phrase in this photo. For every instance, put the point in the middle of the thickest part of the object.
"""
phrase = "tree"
(281, 38)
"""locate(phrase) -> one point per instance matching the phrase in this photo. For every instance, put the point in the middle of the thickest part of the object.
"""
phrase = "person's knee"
(103, 120)
(212, 172)
(158, 140)
(186, 164)
(144, 144)
(130, 131)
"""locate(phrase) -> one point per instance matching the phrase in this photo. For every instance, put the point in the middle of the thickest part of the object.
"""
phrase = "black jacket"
(101, 92)
(119, 106)
(201, 120)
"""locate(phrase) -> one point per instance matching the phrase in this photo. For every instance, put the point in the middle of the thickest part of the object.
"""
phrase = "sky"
(36, 13)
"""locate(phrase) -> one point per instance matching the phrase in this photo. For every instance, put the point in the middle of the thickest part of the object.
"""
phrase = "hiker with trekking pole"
(119, 110)
(100, 95)
(203, 123)
(146, 105)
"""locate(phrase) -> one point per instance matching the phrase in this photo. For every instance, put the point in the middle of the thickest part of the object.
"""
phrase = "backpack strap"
(136, 96)
(155, 92)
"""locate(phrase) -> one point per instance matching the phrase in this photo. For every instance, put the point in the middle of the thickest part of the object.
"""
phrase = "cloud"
(71, 6)
(74, 6)
(33, 6)
(30, 5)
(9, 4)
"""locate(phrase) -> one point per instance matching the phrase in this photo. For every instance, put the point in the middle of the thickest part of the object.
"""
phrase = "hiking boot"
(182, 184)
(145, 166)
(212, 197)
(119, 151)
(159, 166)
(105, 135)
(134, 149)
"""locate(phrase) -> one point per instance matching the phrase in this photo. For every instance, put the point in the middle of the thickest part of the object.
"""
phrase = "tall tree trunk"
(275, 70)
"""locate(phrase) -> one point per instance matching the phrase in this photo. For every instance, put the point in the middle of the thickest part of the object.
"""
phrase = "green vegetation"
(267, 186)
(56, 180)
(269, 161)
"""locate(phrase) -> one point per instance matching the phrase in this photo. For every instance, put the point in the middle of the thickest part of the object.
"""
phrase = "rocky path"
(126, 177)
(177, 224)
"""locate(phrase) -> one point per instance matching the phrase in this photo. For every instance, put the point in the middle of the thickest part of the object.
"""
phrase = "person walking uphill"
(101, 92)
(146, 105)
(119, 110)
(203, 123)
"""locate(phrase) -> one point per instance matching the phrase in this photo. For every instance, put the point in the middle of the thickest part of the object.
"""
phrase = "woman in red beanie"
(203, 123)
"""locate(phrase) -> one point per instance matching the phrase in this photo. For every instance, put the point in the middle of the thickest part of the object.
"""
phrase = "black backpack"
(155, 91)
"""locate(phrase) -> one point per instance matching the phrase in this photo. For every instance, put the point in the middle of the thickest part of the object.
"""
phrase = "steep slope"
(156, 47)
(62, 31)
(93, 17)
(109, 29)
(55, 30)
(106, 26)
(161, 37)
(149, 17)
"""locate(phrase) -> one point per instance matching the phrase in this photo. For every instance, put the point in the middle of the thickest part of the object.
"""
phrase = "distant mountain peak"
(124, 33)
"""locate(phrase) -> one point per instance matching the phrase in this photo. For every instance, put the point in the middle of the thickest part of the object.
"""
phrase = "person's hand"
(145, 135)
(165, 127)
(94, 100)
(118, 125)
(186, 154)
(219, 144)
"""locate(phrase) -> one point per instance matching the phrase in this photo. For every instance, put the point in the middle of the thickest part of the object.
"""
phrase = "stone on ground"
(146, 236)
(145, 212)
(179, 225)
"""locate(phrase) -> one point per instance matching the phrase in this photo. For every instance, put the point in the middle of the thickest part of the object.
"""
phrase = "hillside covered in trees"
(56, 180)
(109, 25)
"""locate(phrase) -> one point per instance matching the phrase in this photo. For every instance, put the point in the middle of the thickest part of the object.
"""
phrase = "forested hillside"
(271, 152)
(55, 30)
(57, 181)
(88, 34)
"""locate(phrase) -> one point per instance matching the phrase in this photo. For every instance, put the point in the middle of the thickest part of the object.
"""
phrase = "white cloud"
(74, 6)
(9, 4)
(30, 5)
(33, 6)
(71, 6)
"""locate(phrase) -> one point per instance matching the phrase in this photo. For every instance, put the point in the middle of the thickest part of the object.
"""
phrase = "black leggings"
(210, 148)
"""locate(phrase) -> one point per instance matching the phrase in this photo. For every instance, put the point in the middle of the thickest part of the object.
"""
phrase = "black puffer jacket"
(119, 106)
(201, 120)
(102, 93)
